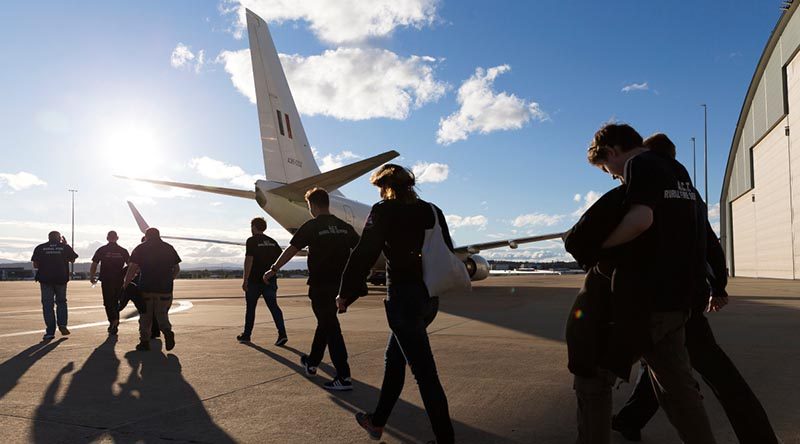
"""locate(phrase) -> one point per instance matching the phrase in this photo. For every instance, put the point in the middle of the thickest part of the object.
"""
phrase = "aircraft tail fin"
(334, 179)
(287, 153)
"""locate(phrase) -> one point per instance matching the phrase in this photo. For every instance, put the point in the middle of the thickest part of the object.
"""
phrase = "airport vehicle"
(290, 166)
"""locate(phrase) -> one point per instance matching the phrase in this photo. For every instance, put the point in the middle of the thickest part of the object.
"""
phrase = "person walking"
(158, 263)
(261, 251)
(51, 261)
(112, 259)
(329, 241)
(396, 227)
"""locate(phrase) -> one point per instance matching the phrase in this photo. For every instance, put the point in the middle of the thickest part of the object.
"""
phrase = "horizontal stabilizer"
(333, 179)
(246, 194)
(511, 243)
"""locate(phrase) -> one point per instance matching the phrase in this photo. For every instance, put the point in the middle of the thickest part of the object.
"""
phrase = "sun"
(132, 148)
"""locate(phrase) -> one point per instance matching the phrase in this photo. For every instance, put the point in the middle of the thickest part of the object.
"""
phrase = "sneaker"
(310, 369)
(282, 340)
(169, 340)
(48, 337)
(339, 384)
(631, 434)
(63, 329)
(243, 338)
(365, 421)
(143, 346)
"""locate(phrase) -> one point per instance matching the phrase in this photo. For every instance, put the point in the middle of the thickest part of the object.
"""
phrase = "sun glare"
(132, 149)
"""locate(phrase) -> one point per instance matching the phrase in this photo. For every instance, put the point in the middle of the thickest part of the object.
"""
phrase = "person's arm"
(715, 256)
(445, 231)
(636, 221)
(248, 267)
(361, 260)
(285, 257)
(133, 270)
(176, 270)
(92, 271)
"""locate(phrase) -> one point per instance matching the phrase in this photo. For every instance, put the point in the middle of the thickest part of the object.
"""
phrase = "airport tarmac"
(500, 353)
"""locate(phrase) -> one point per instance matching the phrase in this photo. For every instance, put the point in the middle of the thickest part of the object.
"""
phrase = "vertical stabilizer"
(287, 154)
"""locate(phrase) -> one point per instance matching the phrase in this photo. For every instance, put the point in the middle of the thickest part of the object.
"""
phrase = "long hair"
(395, 182)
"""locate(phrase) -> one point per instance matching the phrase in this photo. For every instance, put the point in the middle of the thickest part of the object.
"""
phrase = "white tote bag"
(442, 271)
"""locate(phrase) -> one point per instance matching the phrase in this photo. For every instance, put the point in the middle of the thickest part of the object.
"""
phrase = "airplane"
(291, 169)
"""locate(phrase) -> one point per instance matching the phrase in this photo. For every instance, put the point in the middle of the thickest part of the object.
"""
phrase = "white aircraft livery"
(290, 167)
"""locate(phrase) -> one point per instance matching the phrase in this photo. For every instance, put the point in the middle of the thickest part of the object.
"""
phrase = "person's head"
(660, 143)
(54, 236)
(612, 146)
(318, 201)
(112, 236)
(258, 225)
(152, 234)
(395, 182)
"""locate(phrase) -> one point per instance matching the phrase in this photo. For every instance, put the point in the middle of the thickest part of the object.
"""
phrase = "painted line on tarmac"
(88, 307)
(183, 305)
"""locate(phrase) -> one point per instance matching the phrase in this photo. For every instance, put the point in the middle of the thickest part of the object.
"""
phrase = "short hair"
(54, 236)
(395, 182)
(259, 223)
(318, 197)
(660, 143)
(112, 233)
(152, 233)
(620, 135)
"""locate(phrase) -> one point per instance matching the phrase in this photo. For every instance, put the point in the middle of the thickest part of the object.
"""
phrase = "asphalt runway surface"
(499, 350)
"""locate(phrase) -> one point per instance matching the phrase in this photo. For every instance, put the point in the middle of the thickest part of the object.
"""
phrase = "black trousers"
(141, 307)
(328, 333)
(409, 311)
(744, 411)
(111, 289)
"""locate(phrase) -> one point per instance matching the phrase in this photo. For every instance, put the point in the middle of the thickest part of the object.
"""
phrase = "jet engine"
(477, 267)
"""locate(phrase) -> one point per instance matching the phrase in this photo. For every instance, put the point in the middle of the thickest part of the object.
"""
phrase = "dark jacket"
(397, 230)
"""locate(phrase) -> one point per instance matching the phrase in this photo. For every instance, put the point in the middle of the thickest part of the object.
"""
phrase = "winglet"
(139, 219)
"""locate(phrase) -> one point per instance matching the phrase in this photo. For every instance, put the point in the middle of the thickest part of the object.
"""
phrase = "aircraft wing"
(143, 226)
(331, 180)
(246, 194)
(511, 243)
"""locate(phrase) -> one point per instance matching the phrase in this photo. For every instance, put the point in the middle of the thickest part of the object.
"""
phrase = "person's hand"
(244, 286)
(268, 275)
(341, 304)
(715, 303)
(93, 280)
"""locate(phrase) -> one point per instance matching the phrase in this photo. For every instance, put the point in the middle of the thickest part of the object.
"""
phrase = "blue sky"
(502, 96)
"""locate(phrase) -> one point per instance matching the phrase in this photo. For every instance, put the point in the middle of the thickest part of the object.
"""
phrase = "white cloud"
(588, 200)
(577, 197)
(537, 219)
(430, 172)
(183, 57)
(21, 181)
(342, 20)
(713, 211)
(541, 252)
(348, 83)
(483, 110)
(332, 161)
(218, 170)
(636, 87)
(456, 221)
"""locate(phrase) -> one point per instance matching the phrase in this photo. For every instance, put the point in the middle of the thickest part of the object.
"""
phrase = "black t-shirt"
(329, 241)
(156, 260)
(675, 261)
(53, 260)
(264, 251)
(112, 259)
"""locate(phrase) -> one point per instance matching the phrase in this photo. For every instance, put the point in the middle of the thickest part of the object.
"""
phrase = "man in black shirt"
(51, 260)
(261, 252)
(157, 262)
(112, 259)
(665, 267)
(329, 241)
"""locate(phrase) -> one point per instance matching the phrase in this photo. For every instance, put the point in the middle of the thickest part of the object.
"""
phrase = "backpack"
(442, 271)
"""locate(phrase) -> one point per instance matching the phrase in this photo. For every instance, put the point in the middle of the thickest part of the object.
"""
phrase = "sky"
(492, 104)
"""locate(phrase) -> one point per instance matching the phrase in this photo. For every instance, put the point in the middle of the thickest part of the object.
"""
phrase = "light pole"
(705, 146)
(694, 167)
(72, 264)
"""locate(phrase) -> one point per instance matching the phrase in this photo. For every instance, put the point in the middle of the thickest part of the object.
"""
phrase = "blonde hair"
(395, 182)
